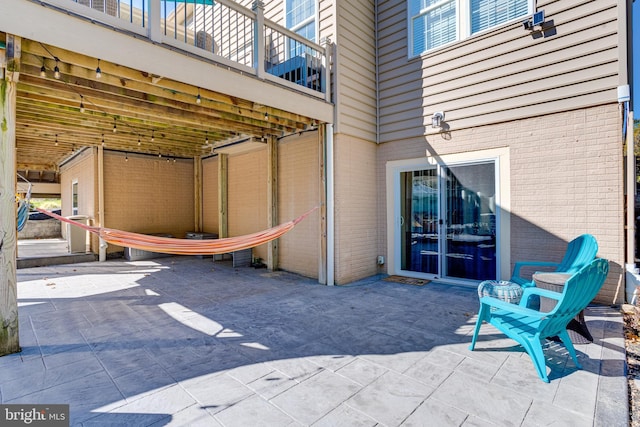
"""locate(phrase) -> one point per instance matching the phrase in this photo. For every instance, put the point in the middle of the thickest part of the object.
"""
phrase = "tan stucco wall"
(356, 209)
(147, 194)
(566, 179)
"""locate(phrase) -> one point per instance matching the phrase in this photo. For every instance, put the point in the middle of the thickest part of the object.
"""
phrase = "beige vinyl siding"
(299, 191)
(210, 213)
(356, 217)
(147, 194)
(500, 75)
(356, 65)
(247, 196)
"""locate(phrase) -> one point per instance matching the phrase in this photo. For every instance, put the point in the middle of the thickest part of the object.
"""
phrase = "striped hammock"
(169, 245)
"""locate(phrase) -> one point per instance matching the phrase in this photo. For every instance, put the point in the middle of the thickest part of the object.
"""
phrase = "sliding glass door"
(448, 221)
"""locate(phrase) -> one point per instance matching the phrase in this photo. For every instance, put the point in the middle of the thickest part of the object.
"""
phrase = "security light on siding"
(537, 20)
(437, 119)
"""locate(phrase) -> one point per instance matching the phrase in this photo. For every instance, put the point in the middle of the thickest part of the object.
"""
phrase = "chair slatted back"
(580, 251)
(578, 292)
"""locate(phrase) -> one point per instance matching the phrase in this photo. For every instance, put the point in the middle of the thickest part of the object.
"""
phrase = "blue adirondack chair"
(580, 252)
(530, 327)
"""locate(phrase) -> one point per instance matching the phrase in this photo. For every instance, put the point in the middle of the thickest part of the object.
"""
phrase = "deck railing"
(220, 30)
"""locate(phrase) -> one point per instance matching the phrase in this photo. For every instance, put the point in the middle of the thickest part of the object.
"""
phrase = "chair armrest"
(515, 277)
(540, 292)
(517, 309)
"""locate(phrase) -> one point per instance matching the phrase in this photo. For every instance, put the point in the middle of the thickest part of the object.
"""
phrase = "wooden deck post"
(223, 162)
(272, 200)
(197, 193)
(9, 74)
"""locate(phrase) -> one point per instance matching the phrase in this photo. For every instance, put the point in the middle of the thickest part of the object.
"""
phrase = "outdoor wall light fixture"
(437, 119)
(537, 20)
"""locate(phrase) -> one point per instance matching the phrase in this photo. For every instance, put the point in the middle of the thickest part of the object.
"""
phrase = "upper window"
(301, 18)
(433, 23)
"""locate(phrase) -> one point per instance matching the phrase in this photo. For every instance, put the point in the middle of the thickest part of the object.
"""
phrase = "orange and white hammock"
(169, 245)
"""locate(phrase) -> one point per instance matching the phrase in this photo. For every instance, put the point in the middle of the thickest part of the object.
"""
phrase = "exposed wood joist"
(153, 114)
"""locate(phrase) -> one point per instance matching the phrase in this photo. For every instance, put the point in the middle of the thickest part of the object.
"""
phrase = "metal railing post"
(258, 39)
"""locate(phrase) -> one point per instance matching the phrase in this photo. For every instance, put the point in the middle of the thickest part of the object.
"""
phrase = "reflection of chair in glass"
(580, 252)
(529, 327)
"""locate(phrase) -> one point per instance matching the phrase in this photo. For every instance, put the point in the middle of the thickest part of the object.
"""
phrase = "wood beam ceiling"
(152, 114)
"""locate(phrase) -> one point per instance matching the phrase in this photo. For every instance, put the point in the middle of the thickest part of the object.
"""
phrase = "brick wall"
(147, 194)
(299, 191)
(566, 179)
(210, 214)
(247, 195)
(356, 214)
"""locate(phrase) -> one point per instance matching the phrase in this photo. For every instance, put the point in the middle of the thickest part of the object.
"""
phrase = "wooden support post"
(223, 170)
(102, 245)
(272, 200)
(9, 340)
(197, 193)
(322, 261)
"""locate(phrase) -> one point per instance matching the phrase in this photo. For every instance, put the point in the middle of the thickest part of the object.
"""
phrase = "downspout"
(377, 65)
(330, 207)
(624, 100)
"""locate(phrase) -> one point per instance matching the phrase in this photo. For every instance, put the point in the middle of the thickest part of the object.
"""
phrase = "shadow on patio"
(184, 341)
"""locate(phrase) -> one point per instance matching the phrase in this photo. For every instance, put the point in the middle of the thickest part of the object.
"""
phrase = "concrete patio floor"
(183, 341)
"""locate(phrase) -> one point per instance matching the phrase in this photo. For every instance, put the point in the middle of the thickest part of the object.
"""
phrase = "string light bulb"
(139, 142)
(126, 157)
(152, 137)
(198, 98)
(266, 115)
(43, 70)
(206, 137)
(98, 71)
(81, 104)
(103, 139)
(56, 143)
(56, 70)
(115, 128)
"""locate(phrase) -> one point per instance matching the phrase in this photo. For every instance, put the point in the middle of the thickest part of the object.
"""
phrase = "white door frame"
(503, 205)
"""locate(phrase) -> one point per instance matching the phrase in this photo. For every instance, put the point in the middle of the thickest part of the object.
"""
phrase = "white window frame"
(313, 18)
(75, 196)
(463, 22)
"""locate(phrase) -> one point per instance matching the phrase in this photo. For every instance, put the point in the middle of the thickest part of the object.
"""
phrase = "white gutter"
(330, 206)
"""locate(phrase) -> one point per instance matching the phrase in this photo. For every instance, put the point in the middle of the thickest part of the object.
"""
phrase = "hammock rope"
(23, 206)
(170, 245)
